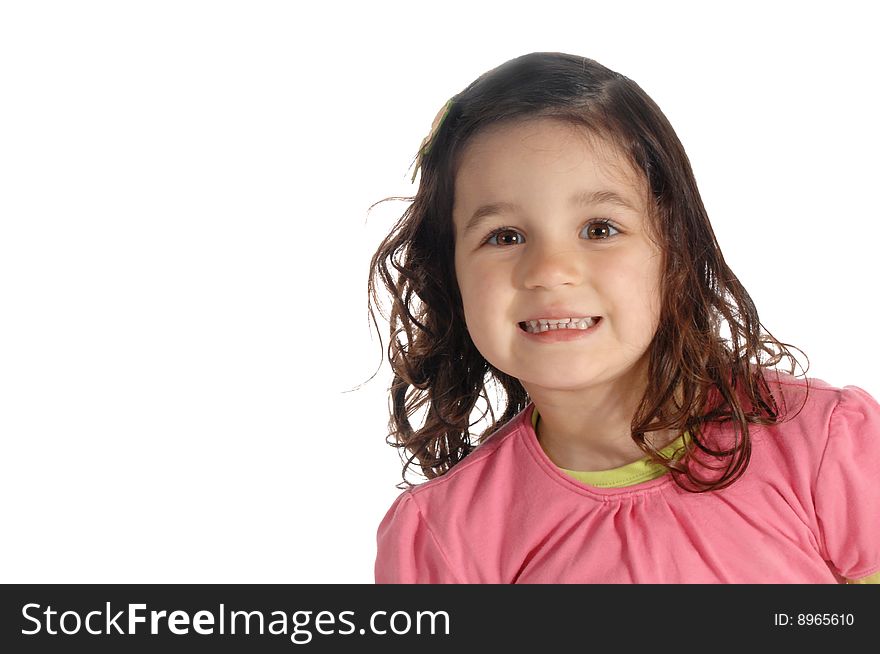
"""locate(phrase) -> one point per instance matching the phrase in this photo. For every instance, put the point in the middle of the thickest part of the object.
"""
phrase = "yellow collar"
(627, 475)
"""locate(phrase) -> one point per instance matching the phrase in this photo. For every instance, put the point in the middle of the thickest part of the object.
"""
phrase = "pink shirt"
(806, 510)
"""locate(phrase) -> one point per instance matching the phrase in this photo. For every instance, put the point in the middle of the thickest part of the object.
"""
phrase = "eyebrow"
(580, 199)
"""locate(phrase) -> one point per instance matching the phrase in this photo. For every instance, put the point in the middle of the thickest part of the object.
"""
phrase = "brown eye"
(601, 229)
(501, 234)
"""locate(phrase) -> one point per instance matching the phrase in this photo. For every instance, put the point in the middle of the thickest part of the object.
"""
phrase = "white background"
(185, 238)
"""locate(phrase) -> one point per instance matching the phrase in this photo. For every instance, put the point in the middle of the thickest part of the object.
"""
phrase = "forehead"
(541, 156)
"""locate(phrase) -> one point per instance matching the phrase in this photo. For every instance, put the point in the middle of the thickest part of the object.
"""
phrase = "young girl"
(558, 247)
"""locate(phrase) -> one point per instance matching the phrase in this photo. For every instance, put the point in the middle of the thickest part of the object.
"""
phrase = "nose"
(550, 265)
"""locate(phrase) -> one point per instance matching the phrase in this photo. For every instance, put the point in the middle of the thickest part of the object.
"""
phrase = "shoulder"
(809, 406)
(819, 426)
(494, 456)
(413, 538)
(816, 391)
(497, 458)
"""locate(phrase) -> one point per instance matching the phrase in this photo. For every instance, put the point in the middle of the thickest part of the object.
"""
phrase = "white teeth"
(538, 326)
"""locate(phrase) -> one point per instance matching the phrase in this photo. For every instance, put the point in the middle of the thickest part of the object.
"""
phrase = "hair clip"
(429, 139)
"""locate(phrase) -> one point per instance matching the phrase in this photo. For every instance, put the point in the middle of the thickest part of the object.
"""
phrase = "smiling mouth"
(539, 327)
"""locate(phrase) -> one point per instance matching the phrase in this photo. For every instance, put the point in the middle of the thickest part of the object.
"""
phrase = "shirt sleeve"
(407, 551)
(847, 498)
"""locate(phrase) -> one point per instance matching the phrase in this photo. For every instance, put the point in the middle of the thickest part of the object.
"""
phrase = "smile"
(540, 326)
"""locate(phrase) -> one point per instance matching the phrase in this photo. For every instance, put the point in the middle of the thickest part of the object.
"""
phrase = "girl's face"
(554, 258)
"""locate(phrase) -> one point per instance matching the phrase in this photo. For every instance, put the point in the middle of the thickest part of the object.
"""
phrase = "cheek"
(650, 300)
(485, 302)
(476, 286)
(470, 292)
(638, 295)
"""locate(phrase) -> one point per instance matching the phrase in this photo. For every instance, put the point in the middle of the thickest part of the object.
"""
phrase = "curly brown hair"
(698, 376)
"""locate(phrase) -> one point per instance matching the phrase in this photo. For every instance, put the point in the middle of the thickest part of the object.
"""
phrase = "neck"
(589, 429)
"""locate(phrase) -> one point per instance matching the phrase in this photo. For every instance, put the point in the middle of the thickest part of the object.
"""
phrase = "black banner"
(334, 618)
